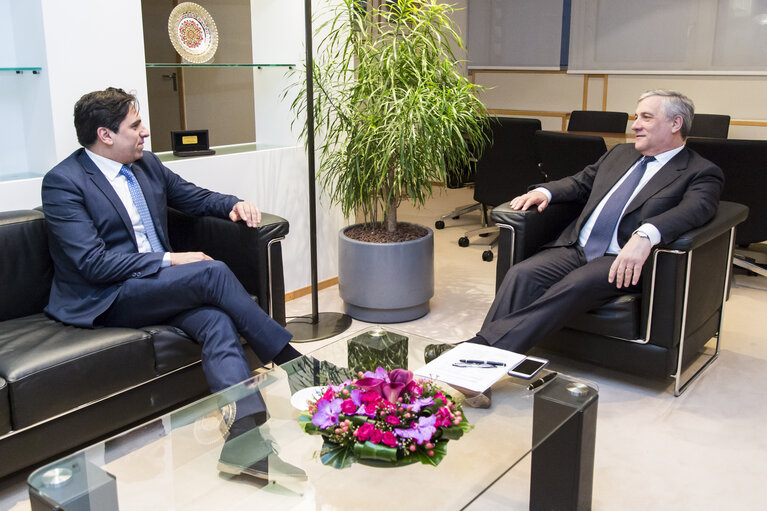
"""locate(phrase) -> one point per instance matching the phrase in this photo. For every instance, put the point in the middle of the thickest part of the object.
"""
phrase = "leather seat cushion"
(5, 408)
(619, 318)
(51, 368)
(172, 348)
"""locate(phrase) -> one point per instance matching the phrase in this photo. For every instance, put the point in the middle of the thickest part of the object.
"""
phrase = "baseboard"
(298, 293)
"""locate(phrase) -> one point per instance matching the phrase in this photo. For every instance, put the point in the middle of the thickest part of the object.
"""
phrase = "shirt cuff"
(651, 231)
(544, 191)
(165, 260)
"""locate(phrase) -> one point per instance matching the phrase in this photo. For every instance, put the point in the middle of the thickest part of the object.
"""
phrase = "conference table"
(171, 462)
(611, 139)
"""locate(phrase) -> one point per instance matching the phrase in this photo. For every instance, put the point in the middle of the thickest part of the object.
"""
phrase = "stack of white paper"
(472, 378)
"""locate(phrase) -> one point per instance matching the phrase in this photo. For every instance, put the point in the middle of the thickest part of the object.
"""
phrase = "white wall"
(90, 45)
(24, 99)
(276, 180)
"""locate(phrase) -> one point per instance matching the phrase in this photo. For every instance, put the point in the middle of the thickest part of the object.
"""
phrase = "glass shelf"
(35, 70)
(189, 64)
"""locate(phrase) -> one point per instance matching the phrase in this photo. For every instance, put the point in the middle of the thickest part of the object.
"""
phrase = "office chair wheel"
(439, 224)
(487, 255)
(463, 241)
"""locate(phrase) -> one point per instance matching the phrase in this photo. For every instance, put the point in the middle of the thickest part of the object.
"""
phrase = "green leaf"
(370, 451)
(336, 456)
(392, 113)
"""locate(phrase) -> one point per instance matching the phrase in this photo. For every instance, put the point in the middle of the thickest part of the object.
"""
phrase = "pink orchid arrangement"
(386, 417)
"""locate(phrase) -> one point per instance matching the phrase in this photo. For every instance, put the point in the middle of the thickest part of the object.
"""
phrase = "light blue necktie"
(604, 226)
(143, 211)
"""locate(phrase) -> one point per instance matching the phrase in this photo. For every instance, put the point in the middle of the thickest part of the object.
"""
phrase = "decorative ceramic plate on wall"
(193, 32)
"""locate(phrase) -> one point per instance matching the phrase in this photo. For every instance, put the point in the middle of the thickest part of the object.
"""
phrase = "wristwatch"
(642, 234)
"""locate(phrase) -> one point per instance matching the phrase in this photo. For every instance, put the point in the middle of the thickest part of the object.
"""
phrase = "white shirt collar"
(109, 168)
(664, 158)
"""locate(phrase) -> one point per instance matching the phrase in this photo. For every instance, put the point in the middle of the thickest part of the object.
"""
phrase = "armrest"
(524, 232)
(727, 216)
(708, 269)
(243, 249)
(533, 229)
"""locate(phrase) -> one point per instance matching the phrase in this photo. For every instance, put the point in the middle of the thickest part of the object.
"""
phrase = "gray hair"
(675, 103)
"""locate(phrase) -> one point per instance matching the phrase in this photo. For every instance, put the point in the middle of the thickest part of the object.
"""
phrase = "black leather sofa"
(658, 331)
(62, 386)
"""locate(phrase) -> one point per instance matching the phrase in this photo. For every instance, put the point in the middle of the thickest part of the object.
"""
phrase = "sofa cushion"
(5, 408)
(51, 367)
(172, 348)
(27, 269)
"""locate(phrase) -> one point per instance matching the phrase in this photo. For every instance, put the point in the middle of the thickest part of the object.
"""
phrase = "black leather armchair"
(62, 386)
(658, 331)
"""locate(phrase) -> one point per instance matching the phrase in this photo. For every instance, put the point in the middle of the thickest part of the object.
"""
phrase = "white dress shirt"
(650, 230)
(111, 170)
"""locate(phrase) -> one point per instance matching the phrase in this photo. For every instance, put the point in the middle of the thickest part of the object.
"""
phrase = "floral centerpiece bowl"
(384, 418)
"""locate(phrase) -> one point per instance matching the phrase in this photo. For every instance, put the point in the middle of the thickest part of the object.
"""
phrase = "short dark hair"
(102, 108)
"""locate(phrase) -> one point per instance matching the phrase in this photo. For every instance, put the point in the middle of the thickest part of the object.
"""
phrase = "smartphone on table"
(528, 368)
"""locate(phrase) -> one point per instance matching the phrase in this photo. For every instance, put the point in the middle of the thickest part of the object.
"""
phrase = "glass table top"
(171, 462)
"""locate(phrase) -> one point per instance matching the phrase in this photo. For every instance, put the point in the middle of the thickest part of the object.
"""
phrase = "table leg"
(563, 464)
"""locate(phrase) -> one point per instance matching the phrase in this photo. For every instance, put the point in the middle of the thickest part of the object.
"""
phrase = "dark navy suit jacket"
(684, 194)
(91, 238)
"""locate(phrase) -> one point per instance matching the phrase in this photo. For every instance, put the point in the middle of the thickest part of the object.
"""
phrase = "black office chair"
(457, 180)
(564, 154)
(659, 331)
(598, 121)
(744, 163)
(710, 125)
(507, 167)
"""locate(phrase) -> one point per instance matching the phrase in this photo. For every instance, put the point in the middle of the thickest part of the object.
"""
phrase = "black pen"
(540, 381)
(488, 362)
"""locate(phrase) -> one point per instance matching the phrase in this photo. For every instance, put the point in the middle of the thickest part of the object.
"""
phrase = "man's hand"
(530, 199)
(247, 212)
(627, 267)
(188, 257)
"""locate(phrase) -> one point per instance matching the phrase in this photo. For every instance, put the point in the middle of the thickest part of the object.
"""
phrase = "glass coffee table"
(171, 462)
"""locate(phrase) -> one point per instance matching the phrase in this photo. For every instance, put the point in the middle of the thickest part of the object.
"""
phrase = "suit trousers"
(541, 294)
(206, 301)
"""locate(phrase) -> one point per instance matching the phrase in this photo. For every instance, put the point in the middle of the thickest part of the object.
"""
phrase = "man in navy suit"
(106, 211)
(601, 254)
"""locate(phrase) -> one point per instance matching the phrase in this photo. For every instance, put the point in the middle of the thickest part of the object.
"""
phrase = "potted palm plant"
(393, 115)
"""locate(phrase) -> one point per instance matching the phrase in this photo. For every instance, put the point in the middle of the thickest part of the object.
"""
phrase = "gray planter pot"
(386, 282)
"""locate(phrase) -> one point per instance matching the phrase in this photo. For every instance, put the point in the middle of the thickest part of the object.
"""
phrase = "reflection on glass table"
(171, 462)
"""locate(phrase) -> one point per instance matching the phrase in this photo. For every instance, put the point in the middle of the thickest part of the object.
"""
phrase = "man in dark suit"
(106, 211)
(634, 197)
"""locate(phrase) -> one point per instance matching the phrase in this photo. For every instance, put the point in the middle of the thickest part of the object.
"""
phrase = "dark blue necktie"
(604, 227)
(143, 210)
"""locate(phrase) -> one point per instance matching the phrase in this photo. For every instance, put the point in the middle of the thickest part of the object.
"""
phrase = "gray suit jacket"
(683, 195)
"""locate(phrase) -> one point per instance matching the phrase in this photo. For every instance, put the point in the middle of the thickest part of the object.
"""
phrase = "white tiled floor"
(705, 450)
